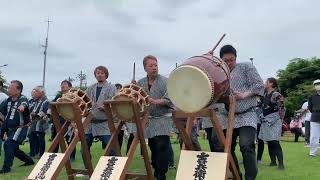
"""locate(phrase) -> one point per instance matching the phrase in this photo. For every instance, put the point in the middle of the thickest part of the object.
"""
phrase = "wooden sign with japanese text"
(46, 166)
(200, 165)
(109, 168)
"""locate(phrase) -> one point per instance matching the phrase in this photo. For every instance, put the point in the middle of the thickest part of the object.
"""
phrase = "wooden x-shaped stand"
(121, 171)
(225, 141)
(59, 160)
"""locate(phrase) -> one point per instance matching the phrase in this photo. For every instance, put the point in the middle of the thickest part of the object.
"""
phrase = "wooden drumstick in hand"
(214, 48)
(133, 81)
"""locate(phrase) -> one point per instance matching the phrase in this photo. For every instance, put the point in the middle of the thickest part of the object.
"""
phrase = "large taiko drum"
(130, 92)
(198, 82)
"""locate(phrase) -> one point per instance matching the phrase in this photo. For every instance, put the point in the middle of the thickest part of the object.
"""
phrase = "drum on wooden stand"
(198, 82)
(74, 95)
(130, 92)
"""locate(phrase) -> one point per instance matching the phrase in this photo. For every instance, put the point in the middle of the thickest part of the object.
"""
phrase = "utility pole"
(45, 54)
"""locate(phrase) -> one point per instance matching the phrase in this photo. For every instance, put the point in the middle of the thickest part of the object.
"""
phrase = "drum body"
(198, 82)
(74, 95)
(130, 92)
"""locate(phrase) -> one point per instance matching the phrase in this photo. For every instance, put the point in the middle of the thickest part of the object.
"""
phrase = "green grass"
(297, 162)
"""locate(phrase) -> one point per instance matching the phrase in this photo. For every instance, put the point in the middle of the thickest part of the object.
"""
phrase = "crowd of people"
(258, 118)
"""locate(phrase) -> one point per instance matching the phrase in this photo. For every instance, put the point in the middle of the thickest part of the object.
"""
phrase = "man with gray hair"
(39, 120)
(16, 111)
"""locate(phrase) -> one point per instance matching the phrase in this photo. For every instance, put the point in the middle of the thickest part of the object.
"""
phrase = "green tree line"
(296, 82)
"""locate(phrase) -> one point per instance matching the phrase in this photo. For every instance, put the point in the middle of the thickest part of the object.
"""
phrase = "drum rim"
(144, 97)
(226, 71)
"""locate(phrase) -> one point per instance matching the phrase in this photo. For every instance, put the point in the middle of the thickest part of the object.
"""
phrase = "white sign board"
(46, 166)
(200, 165)
(109, 167)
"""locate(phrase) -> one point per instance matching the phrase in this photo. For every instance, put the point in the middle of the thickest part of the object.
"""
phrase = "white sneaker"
(82, 176)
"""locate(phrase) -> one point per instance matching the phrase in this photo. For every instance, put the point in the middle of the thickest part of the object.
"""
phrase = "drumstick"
(214, 48)
(134, 72)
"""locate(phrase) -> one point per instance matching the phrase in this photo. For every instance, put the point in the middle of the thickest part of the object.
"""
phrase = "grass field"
(299, 166)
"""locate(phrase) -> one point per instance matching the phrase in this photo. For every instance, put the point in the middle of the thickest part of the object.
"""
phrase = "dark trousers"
(0, 142)
(34, 143)
(131, 137)
(247, 137)
(73, 154)
(53, 132)
(275, 152)
(68, 140)
(307, 131)
(214, 143)
(120, 138)
(194, 139)
(11, 150)
(260, 145)
(42, 142)
(170, 155)
(159, 155)
(297, 132)
(104, 141)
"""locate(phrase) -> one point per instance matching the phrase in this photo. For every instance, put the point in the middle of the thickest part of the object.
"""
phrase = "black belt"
(97, 121)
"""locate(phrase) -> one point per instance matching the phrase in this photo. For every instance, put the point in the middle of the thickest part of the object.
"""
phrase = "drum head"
(123, 111)
(189, 88)
(66, 111)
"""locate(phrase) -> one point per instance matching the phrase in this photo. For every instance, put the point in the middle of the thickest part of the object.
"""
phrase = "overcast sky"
(116, 33)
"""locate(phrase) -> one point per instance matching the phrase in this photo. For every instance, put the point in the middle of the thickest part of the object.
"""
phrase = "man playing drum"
(159, 126)
(246, 84)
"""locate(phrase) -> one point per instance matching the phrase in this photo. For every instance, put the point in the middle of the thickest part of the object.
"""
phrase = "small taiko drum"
(74, 95)
(130, 92)
(198, 82)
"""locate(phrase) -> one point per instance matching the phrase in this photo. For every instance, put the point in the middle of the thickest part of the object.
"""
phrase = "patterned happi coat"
(245, 77)
(159, 122)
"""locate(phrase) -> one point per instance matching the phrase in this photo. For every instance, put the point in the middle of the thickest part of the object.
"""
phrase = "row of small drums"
(192, 86)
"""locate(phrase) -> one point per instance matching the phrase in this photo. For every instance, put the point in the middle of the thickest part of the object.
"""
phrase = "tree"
(296, 82)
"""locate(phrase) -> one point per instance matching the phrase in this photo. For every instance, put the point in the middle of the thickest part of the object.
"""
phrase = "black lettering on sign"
(201, 169)
(46, 166)
(108, 170)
